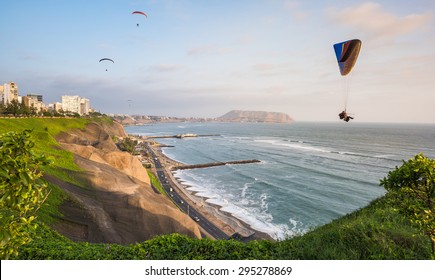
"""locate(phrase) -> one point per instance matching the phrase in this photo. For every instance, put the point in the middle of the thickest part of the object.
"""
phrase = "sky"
(192, 58)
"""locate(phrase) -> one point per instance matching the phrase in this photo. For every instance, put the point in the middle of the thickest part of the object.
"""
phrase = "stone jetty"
(212, 164)
(183, 135)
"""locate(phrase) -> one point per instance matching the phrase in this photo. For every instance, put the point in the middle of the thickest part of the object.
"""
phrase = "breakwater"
(212, 164)
(183, 135)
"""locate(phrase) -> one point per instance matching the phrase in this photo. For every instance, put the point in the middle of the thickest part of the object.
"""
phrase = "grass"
(43, 132)
(156, 182)
(374, 232)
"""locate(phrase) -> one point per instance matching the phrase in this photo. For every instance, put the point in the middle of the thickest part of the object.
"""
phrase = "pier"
(212, 164)
(181, 136)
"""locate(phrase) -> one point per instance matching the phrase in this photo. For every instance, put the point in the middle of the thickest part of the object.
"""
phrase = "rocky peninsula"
(231, 116)
(255, 116)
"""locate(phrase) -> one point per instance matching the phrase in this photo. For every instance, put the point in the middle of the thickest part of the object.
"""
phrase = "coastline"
(225, 221)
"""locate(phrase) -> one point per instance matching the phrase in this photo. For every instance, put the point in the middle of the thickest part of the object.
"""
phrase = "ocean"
(309, 175)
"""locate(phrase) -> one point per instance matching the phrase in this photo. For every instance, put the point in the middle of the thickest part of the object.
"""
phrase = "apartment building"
(75, 104)
(10, 92)
(32, 102)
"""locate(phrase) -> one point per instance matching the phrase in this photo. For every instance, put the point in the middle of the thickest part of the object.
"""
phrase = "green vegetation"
(411, 189)
(63, 167)
(43, 132)
(22, 191)
(127, 145)
(155, 182)
(377, 231)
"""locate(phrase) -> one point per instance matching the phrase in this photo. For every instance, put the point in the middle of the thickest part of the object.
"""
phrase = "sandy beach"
(213, 213)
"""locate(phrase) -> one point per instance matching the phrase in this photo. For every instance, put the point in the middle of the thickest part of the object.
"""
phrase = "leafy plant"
(22, 190)
(411, 189)
(128, 145)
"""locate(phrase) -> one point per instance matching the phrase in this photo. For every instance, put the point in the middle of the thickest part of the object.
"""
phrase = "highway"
(185, 206)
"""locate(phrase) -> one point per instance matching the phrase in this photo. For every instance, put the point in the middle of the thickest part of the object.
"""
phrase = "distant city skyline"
(9, 92)
(193, 58)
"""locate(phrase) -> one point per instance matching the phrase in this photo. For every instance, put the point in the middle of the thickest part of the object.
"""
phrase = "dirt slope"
(117, 204)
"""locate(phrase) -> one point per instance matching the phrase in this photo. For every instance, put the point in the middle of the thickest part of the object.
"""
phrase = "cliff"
(255, 116)
(114, 201)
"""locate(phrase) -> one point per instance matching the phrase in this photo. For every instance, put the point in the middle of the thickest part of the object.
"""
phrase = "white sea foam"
(264, 204)
(244, 209)
(297, 145)
(246, 187)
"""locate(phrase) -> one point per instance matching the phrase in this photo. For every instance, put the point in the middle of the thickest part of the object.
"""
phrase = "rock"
(115, 202)
(255, 116)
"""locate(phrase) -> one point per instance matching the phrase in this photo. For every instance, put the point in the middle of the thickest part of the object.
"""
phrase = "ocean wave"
(302, 145)
(253, 210)
(259, 220)
(295, 145)
(246, 186)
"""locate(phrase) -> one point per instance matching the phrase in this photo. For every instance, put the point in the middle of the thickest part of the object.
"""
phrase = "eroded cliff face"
(117, 204)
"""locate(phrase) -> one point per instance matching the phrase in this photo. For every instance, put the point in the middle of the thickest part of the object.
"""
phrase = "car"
(196, 219)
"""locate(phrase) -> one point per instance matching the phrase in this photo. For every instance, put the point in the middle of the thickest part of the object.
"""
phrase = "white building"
(75, 104)
(10, 92)
(85, 106)
(1, 93)
(71, 103)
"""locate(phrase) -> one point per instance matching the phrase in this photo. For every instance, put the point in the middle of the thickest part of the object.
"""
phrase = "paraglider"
(347, 53)
(139, 13)
(344, 116)
(108, 59)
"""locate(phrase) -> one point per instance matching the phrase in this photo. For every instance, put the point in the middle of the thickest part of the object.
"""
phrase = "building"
(75, 104)
(1, 94)
(57, 106)
(33, 102)
(35, 96)
(85, 105)
(71, 103)
(10, 92)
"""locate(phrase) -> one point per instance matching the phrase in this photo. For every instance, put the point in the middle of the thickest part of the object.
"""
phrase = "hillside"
(255, 116)
(107, 196)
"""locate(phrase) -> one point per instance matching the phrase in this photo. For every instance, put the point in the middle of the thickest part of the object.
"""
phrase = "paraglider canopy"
(139, 13)
(108, 59)
(347, 54)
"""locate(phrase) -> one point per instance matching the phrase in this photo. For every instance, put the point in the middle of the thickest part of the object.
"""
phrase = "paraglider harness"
(344, 116)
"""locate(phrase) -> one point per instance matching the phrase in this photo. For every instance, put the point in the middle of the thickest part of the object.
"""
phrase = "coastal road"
(184, 205)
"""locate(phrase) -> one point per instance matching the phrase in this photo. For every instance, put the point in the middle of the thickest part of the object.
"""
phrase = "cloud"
(371, 19)
(295, 12)
(208, 49)
(263, 66)
(167, 67)
(247, 39)
(291, 4)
